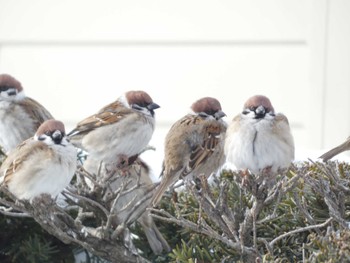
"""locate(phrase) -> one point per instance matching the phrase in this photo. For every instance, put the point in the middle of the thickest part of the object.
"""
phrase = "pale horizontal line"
(168, 123)
(155, 43)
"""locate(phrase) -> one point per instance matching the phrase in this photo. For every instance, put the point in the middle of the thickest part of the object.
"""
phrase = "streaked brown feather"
(201, 152)
(190, 144)
(110, 114)
(35, 110)
(19, 155)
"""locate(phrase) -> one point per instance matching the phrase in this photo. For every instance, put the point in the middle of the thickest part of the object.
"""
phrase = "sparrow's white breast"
(255, 146)
(44, 172)
(126, 137)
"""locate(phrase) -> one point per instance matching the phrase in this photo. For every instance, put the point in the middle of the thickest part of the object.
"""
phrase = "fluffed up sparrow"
(258, 139)
(122, 128)
(43, 164)
(345, 146)
(194, 145)
(20, 116)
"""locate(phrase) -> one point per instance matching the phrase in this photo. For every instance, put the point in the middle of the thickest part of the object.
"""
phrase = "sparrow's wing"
(36, 110)
(282, 129)
(110, 114)
(212, 135)
(18, 156)
(235, 124)
(178, 143)
(201, 137)
(189, 143)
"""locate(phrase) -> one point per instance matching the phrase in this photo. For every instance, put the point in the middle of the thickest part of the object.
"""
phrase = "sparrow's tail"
(158, 194)
(341, 148)
(155, 239)
(166, 181)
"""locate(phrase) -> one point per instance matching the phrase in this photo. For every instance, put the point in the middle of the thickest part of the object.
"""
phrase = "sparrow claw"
(245, 178)
(123, 161)
(267, 171)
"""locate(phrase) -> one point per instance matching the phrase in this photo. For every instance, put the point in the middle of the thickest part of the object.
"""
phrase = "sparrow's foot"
(267, 171)
(245, 177)
(123, 161)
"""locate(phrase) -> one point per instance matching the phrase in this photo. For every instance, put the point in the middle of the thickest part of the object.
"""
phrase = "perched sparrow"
(258, 139)
(20, 116)
(345, 146)
(44, 163)
(135, 190)
(122, 128)
(194, 145)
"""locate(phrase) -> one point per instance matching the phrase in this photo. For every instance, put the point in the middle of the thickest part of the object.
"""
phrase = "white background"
(74, 57)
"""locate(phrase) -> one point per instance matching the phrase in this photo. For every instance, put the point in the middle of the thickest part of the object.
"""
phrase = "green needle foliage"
(23, 240)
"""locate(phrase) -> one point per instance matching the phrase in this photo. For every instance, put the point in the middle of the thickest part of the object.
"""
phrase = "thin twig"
(88, 200)
(298, 230)
(208, 231)
(8, 212)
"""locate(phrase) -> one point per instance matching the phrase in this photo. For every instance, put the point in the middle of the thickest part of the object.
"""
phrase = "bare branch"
(298, 230)
(8, 212)
(92, 202)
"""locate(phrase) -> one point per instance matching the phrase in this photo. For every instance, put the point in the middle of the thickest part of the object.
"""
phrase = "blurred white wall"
(76, 56)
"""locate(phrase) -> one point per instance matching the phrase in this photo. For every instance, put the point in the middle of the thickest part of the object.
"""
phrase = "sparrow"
(130, 205)
(20, 116)
(345, 146)
(43, 164)
(194, 145)
(258, 139)
(121, 129)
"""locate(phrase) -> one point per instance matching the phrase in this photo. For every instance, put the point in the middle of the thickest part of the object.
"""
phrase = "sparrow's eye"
(245, 112)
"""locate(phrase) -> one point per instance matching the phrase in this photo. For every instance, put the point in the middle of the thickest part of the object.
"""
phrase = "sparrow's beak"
(218, 115)
(57, 137)
(153, 106)
(260, 112)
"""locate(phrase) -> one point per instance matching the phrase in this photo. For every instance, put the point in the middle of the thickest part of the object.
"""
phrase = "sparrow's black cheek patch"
(203, 114)
(12, 93)
(4, 88)
(41, 138)
(137, 107)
